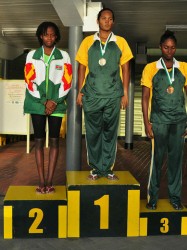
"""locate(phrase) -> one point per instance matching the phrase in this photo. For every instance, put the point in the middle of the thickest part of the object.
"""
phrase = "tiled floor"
(18, 168)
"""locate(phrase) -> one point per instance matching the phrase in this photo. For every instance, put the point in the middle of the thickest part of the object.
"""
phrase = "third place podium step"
(165, 220)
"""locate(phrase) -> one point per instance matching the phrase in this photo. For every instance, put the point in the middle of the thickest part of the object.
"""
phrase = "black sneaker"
(177, 205)
(151, 206)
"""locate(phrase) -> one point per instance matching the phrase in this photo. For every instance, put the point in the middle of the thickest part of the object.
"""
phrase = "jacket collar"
(113, 37)
(159, 64)
(38, 54)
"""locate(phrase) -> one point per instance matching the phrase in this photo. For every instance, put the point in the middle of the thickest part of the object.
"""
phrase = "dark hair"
(42, 30)
(105, 9)
(168, 35)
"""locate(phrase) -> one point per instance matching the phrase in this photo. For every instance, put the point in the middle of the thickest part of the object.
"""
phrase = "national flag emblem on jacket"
(30, 75)
(67, 77)
(59, 67)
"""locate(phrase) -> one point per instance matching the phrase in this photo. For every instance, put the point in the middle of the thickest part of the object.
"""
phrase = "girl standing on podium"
(103, 80)
(163, 85)
(48, 75)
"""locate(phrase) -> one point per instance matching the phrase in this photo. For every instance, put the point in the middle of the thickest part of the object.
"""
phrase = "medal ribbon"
(103, 49)
(47, 63)
(172, 78)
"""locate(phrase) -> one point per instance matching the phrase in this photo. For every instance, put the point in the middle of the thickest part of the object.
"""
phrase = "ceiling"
(141, 21)
(28, 14)
(146, 20)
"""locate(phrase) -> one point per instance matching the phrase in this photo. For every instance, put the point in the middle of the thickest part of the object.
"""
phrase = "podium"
(88, 208)
(31, 215)
(165, 220)
(102, 207)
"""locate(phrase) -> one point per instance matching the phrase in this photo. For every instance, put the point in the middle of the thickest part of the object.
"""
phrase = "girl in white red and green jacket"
(48, 76)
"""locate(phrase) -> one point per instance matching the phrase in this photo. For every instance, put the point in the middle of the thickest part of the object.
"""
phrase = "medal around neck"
(170, 90)
(171, 79)
(102, 61)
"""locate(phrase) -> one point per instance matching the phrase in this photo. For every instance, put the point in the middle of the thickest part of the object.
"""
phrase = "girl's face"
(105, 21)
(49, 38)
(168, 48)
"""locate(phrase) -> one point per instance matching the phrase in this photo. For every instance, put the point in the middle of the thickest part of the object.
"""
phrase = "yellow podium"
(102, 207)
(31, 215)
(165, 220)
(88, 208)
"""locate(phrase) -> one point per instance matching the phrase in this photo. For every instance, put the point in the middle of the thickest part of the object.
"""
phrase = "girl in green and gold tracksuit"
(103, 78)
(163, 85)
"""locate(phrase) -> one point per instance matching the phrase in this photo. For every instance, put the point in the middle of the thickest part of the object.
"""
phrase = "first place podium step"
(102, 207)
(31, 215)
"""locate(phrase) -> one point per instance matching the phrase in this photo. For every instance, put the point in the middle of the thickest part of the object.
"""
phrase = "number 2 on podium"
(36, 213)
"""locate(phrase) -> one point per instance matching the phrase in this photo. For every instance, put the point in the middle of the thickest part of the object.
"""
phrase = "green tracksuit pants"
(167, 139)
(101, 123)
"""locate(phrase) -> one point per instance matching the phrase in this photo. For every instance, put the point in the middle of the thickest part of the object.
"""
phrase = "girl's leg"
(54, 130)
(53, 156)
(175, 159)
(39, 156)
(39, 122)
(159, 148)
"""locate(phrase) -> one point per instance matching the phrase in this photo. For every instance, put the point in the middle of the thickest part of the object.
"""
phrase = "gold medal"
(170, 90)
(102, 61)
